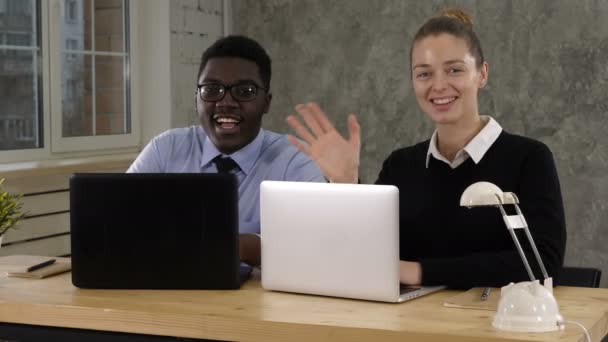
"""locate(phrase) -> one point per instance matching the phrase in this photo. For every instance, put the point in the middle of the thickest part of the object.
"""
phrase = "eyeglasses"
(242, 92)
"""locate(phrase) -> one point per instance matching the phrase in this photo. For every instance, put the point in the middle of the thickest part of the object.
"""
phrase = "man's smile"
(227, 122)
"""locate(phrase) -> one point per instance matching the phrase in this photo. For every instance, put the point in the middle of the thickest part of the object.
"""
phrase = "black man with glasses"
(232, 95)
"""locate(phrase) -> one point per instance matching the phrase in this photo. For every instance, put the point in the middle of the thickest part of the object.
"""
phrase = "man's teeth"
(444, 100)
(226, 120)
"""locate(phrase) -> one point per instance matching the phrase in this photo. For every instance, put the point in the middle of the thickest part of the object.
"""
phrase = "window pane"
(77, 24)
(77, 101)
(109, 25)
(20, 76)
(95, 84)
(109, 90)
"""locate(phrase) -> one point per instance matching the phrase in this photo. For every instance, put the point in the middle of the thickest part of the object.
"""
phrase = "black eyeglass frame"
(228, 88)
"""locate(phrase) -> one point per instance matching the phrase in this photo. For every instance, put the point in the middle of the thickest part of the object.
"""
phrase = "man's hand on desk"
(249, 249)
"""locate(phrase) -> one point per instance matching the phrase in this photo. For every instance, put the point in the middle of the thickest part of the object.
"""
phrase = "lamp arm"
(529, 236)
(516, 241)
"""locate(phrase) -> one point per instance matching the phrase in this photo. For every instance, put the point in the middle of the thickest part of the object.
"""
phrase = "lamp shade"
(486, 194)
(527, 307)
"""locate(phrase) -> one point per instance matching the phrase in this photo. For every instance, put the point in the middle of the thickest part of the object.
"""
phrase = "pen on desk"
(485, 293)
(40, 265)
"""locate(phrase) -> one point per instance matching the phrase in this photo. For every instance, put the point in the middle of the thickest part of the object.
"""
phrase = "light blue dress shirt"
(270, 156)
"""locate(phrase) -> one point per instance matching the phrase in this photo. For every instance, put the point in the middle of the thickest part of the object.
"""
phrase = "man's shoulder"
(286, 161)
(181, 132)
(276, 144)
(177, 135)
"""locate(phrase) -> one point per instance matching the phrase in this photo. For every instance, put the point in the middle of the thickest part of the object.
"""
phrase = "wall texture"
(548, 80)
(195, 25)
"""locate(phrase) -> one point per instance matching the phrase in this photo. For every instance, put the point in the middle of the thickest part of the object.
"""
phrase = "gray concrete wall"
(548, 80)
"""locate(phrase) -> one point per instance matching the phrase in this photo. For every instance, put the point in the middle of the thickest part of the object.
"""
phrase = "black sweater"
(462, 247)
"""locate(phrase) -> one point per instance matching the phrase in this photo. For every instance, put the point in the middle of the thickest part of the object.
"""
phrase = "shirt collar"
(245, 157)
(476, 148)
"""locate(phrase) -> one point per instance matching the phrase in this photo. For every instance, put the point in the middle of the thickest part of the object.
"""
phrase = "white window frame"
(38, 153)
(59, 143)
(55, 146)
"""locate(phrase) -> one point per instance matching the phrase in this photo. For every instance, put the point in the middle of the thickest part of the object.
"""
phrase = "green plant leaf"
(10, 210)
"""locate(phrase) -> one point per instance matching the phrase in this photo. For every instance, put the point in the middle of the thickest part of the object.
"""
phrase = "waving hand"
(337, 157)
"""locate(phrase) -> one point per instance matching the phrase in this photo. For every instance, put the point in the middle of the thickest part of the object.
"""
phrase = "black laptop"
(155, 231)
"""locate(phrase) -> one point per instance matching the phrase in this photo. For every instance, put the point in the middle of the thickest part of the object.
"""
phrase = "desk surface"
(253, 314)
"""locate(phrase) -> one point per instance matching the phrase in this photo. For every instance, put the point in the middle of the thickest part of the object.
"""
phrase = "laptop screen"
(154, 231)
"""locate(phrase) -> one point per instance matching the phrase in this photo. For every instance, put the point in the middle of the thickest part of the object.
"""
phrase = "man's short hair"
(241, 47)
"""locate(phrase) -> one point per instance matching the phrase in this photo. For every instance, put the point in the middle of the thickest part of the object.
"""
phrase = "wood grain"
(253, 314)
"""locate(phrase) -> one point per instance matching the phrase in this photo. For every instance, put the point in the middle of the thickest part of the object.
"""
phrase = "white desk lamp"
(526, 306)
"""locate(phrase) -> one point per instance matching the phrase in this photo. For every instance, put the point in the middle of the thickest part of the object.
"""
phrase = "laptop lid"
(332, 239)
(154, 231)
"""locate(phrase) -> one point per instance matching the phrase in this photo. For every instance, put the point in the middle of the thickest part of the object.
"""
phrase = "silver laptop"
(338, 240)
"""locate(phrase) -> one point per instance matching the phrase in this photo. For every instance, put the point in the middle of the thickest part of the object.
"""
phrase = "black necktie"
(224, 164)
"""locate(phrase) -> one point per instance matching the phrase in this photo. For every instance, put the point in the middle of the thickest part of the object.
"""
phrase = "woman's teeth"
(443, 101)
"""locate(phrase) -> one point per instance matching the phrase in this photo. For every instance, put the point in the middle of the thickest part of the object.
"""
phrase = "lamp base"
(527, 307)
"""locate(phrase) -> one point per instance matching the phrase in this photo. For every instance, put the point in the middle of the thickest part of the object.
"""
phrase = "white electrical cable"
(587, 336)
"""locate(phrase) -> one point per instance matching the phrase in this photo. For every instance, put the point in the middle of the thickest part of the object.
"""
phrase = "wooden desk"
(253, 314)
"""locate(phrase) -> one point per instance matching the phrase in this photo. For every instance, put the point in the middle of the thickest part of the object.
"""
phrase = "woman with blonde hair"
(440, 241)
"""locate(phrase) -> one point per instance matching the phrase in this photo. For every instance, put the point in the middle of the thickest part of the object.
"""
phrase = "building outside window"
(20, 75)
(71, 10)
(2, 6)
(75, 75)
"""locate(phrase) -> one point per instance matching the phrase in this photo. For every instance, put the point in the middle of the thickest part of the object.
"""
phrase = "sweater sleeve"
(541, 203)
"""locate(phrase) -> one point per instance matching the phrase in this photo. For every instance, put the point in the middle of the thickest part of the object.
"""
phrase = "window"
(100, 106)
(65, 88)
(71, 44)
(18, 38)
(71, 7)
(19, 7)
(20, 76)
(71, 90)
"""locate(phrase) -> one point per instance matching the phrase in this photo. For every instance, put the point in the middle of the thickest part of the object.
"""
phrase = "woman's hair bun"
(459, 15)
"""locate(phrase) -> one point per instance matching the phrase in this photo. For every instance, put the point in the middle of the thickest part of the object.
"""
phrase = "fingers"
(354, 131)
(318, 124)
(309, 114)
(321, 117)
(297, 126)
(299, 145)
